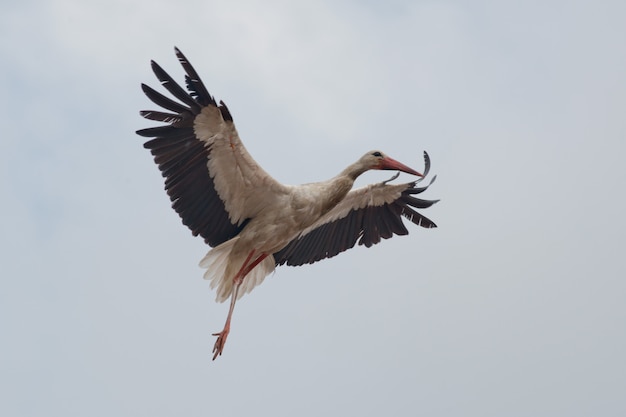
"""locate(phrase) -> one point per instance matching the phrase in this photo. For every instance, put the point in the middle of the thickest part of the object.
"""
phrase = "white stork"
(253, 222)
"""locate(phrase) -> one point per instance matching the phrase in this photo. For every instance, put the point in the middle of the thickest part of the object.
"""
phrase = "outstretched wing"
(212, 181)
(366, 215)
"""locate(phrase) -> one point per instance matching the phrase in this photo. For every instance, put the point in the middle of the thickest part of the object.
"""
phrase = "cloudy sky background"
(514, 306)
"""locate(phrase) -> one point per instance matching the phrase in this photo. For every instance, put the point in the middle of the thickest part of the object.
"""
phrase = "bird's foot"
(220, 342)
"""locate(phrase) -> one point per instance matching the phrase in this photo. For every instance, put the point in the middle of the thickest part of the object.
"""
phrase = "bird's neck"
(353, 171)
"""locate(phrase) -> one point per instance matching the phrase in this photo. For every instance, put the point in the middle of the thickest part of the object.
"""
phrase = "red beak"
(391, 164)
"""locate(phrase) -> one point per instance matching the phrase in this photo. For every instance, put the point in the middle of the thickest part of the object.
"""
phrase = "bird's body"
(254, 222)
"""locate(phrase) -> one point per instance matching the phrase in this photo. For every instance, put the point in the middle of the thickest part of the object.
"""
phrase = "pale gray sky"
(514, 306)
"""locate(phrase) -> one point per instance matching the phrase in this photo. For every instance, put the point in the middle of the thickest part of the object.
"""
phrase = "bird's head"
(378, 160)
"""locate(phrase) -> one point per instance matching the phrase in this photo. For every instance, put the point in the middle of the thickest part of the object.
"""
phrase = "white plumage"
(216, 263)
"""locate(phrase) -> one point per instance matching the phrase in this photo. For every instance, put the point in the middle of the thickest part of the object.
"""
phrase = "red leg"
(237, 281)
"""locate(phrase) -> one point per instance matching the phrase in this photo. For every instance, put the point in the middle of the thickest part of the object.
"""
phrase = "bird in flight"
(252, 222)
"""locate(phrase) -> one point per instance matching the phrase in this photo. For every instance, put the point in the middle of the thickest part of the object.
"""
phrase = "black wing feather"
(165, 102)
(176, 90)
(194, 83)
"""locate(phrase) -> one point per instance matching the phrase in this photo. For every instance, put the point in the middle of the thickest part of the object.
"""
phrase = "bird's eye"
(377, 154)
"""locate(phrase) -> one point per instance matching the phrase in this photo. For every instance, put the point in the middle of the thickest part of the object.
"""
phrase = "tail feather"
(221, 269)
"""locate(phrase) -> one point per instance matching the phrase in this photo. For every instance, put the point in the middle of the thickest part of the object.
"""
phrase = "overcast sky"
(513, 306)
